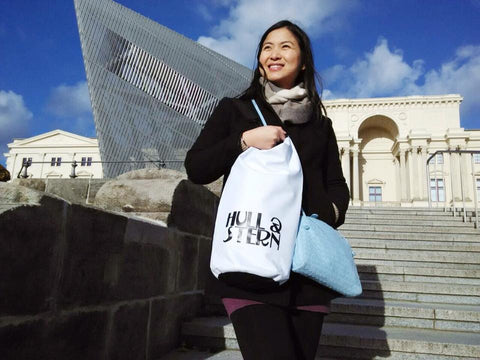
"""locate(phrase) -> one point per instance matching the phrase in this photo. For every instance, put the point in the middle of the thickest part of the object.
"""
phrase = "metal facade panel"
(151, 88)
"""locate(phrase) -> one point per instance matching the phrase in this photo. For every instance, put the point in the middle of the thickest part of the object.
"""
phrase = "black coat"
(216, 149)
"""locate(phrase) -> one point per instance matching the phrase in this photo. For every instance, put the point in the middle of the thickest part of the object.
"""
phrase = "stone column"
(14, 167)
(455, 176)
(415, 174)
(397, 176)
(356, 177)
(403, 175)
(425, 179)
(447, 180)
(346, 165)
(42, 164)
(466, 174)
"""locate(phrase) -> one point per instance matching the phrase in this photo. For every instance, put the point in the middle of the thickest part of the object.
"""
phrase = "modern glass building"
(151, 88)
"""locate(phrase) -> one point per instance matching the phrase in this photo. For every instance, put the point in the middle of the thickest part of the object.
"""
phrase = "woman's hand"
(264, 137)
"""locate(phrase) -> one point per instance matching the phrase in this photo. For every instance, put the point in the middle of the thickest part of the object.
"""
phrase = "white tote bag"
(258, 214)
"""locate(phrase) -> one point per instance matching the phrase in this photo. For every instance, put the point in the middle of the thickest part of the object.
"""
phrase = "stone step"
(429, 274)
(414, 245)
(405, 314)
(409, 228)
(442, 216)
(403, 263)
(354, 232)
(441, 223)
(405, 210)
(356, 341)
(189, 354)
(343, 341)
(418, 255)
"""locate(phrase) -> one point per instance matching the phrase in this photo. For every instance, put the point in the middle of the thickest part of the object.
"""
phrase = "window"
(375, 193)
(437, 159)
(25, 160)
(86, 161)
(476, 158)
(437, 190)
(56, 161)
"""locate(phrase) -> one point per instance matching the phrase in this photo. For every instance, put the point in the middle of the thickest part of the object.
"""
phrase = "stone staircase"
(420, 270)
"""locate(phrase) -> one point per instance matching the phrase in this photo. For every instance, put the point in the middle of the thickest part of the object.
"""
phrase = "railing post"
(25, 167)
(429, 191)
(462, 186)
(74, 165)
(451, 181)
(475, 194)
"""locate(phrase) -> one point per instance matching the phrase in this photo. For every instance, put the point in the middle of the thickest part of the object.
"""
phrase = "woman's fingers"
(264, 137)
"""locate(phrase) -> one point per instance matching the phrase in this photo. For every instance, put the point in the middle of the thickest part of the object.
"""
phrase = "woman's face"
(281, 58)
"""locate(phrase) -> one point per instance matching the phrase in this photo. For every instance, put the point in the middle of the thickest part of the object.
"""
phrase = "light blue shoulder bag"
(325, 256)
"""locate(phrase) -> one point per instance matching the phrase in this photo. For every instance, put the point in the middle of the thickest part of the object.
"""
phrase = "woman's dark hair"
(307, 76)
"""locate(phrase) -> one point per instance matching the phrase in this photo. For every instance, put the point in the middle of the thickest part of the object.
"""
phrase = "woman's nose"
(275, 55)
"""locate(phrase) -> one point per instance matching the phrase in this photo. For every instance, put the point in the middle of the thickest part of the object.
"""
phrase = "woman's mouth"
(275, 67)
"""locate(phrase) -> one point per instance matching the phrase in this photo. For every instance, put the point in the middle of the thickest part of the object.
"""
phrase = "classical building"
(385, 143)
(51, 156)
(152, 90)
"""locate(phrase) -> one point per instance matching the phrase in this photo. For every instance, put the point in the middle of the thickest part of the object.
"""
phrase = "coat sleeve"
(337, 188)
(216, 148)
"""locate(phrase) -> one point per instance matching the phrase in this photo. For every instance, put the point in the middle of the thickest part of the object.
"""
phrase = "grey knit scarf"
(290, 104)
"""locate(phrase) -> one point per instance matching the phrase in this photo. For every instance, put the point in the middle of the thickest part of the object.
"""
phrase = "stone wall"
(78, 282)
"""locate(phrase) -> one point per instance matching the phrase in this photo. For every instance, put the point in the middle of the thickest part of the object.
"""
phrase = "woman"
(283, 323)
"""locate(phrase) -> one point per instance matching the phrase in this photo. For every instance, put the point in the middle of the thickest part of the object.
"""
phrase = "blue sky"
(363, 48)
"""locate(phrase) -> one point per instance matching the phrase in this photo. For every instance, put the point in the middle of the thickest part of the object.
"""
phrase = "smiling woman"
(283, 321)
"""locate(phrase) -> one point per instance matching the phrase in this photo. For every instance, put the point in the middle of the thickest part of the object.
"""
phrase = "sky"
(362, 48)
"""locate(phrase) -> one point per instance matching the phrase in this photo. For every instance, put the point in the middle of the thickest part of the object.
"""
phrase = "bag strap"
(259, 112)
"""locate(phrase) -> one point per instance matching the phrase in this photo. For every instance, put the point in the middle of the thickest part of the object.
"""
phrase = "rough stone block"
(75, 336)
(29, 253)
(166, 319)
(94, 245)
(143, 271)
(21, 342)
(187, 272)
(161, 268)
(129, 332)
(204, 251)
(194, 209)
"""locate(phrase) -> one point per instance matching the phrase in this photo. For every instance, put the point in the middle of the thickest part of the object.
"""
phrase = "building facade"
(385, 143)
(51, 156)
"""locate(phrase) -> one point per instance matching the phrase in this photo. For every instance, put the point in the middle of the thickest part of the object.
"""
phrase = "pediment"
(375, 182)
(57, 138)
(53, 174)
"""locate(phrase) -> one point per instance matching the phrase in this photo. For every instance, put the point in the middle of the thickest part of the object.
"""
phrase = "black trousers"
(267, 332)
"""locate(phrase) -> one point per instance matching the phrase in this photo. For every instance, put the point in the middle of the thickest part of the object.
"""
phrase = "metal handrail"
(26, 164)
(462, 185)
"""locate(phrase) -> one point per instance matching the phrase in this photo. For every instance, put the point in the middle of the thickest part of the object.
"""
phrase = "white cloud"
(384, 72)
(71, 105)
(381, 72)
(69, 101)
(237, 36)
(14, 117)
(460, 75)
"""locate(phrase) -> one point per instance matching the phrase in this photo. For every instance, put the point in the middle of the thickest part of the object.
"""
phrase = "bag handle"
(259, 112)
